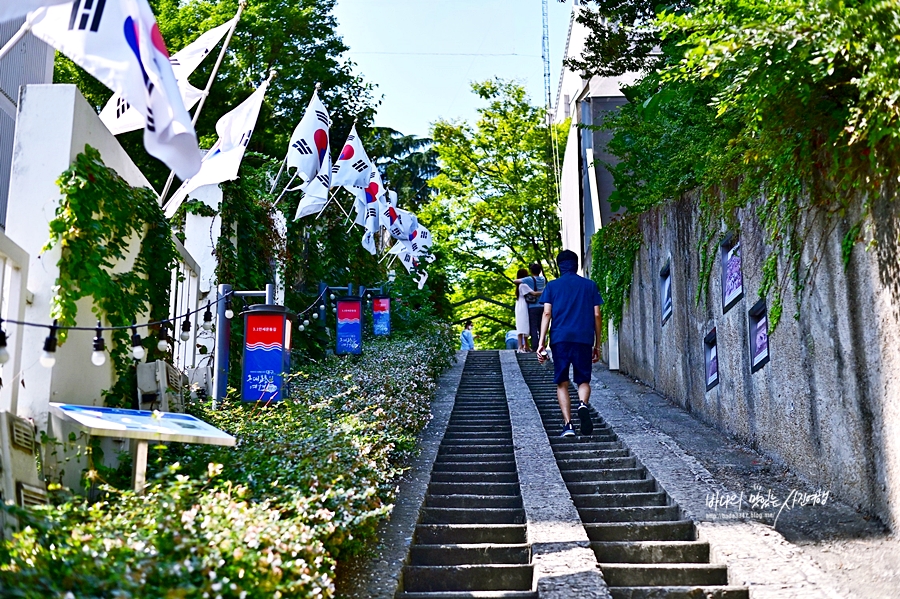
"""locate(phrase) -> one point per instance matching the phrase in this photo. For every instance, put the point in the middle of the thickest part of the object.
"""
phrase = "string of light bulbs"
(138, 352)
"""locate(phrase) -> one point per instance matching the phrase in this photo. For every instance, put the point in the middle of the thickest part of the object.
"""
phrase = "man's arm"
(545, 326)
(598, 335)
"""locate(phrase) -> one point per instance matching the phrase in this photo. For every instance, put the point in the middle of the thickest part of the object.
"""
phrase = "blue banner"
(263, 357)
(381, 316)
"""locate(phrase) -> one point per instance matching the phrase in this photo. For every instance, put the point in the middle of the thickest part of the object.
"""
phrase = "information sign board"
(264, 345)
(349, 326)
(381, 316)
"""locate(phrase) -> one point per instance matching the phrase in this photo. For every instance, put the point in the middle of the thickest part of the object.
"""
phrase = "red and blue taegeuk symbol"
(132, 37)
(321, 139)
(346, 153)
(372, 192)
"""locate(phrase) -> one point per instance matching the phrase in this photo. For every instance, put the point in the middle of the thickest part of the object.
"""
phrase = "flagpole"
(284, 191)
(275, 182)
(328, 202)
(15, 39)
(209, 83)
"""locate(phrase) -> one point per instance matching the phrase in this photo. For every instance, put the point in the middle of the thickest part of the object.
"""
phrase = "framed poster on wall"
(732, 277)
(759, 335)
(711, 353)
(665, 292)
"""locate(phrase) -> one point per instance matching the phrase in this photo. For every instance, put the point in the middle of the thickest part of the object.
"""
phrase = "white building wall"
(54, 125)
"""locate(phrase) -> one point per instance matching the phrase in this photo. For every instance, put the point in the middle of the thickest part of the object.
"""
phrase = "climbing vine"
(614, 249)
(99, 219)
(780, 109)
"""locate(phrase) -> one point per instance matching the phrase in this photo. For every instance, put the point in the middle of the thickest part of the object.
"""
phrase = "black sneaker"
(584, 414)
(568, 430)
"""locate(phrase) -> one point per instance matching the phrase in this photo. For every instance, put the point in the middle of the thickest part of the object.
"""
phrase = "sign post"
(267, 352)
(349, 326)
(381, 316)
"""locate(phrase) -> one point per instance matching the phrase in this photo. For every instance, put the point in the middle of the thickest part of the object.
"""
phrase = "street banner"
(264, 347)
(381, 316)
(349, 326)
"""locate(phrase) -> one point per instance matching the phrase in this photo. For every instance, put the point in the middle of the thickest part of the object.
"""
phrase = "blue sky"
(423, 54)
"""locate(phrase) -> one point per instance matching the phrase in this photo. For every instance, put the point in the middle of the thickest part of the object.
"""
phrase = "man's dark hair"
(536, 268)
(468, 324)
(567, 256)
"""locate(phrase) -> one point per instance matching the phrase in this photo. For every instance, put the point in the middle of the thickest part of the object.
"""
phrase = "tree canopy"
(496, 204)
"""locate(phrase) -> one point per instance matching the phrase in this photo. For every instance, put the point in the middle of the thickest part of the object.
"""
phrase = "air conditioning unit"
(19, 480)
(161, 387)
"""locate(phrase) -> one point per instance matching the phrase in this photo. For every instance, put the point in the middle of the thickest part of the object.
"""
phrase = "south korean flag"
(309, 148)
(353, 167)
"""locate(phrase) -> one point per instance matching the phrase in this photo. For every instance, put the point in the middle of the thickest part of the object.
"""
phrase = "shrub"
(307, 484)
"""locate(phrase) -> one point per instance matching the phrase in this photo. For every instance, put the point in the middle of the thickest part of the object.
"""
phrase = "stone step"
(607, 474)
(484, 435)
(595, 500)
(577, 454)
(667, 513)
(651, 552)
(469, 441)
(719, 592)
(474, 477)
(453, 488)
(462, 534)
(448, 515)
(490, 466)
(664, 575)
(454, 555)
(476, 428)
(474, 449)
(492, 577)
(593, 463)
(647, 485)
(682, 530)
(473, 457)
(474, 501)
(470, 595)
(577, 443)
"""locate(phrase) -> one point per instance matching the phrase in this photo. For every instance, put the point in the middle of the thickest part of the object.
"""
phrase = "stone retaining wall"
(827, 403)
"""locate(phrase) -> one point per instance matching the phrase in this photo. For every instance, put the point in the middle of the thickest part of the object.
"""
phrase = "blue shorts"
(578, 355)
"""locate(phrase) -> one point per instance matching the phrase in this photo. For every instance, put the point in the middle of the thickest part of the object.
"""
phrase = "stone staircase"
(645, 548)
(470, 541)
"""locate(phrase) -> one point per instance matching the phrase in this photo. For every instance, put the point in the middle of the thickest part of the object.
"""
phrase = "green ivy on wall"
(614, 249)
(98, 219)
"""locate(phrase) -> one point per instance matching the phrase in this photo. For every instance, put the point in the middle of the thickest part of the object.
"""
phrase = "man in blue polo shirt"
(573, 304)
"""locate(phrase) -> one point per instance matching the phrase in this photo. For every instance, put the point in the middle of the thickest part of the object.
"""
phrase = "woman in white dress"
(522, 289)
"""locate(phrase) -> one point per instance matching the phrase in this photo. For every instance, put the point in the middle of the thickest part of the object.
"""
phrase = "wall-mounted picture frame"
(665, 292)
(711, 355)
(758, 323)
(732, 275)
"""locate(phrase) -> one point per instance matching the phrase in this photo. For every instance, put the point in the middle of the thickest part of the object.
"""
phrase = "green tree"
(407, 163)
(295, 39)
(496, 203)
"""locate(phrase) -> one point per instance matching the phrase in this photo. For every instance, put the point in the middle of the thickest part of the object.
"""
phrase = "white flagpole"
(284, 191)
(328, 202)
(275, 182)
(209, 83)
(15, 39)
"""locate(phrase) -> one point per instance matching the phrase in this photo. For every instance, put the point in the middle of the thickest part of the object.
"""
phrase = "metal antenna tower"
(553, 160)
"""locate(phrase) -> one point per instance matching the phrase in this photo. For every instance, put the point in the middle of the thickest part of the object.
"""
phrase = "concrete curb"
(564, 564)
(379, 577)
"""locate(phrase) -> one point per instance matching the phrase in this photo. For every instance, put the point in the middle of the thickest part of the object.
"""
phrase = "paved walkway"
(827, 551)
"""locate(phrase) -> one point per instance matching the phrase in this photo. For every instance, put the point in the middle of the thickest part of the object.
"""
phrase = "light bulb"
(162, 345)
(315, 315)
(321, 306)
(98, 358)
(334, 309)
(4, 355)
(331, 296)
(306, 323)
(302, 328)
(185, 335)
(207, 325)
(185, 330)
(138, 352)
(229, 313)
(48, 359)
(207, 318)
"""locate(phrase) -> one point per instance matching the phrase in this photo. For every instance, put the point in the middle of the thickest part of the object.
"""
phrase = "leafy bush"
(306, 485)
